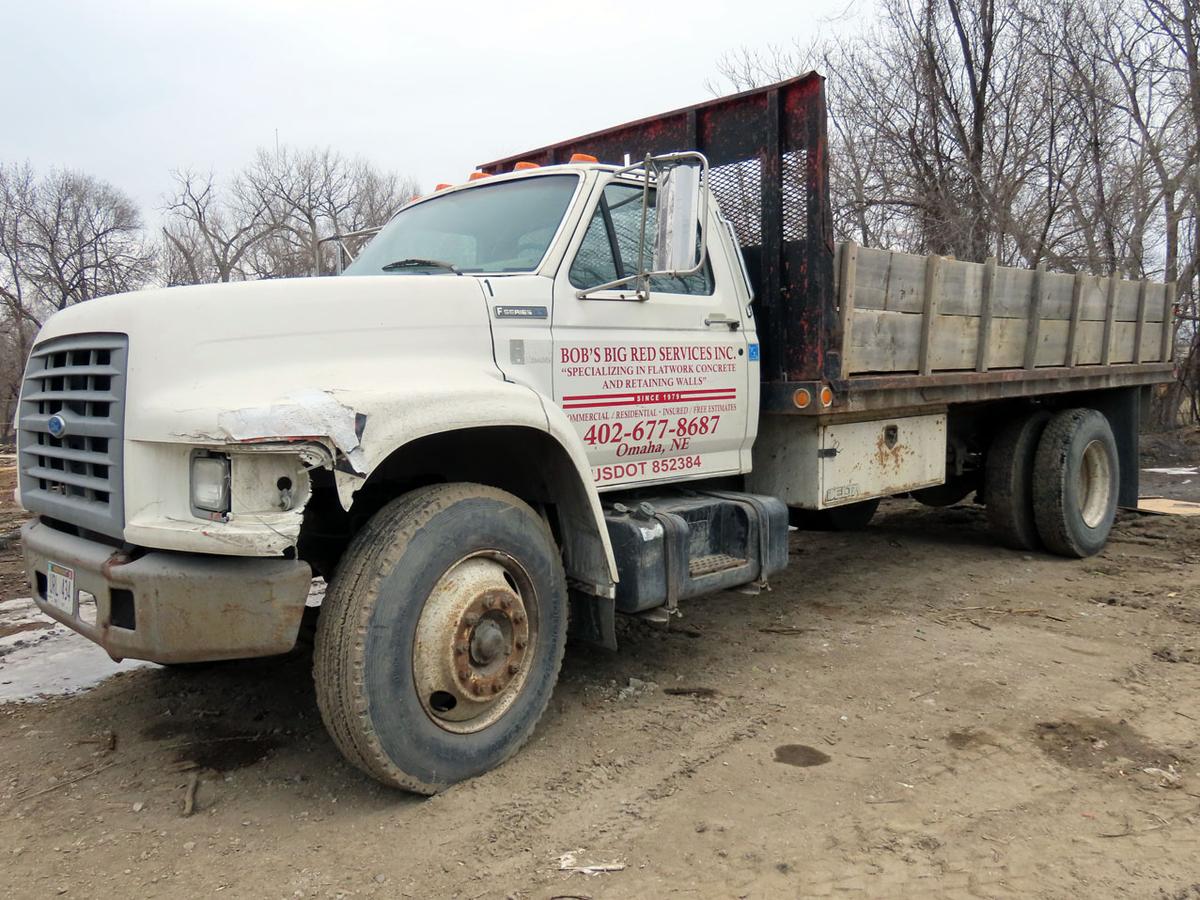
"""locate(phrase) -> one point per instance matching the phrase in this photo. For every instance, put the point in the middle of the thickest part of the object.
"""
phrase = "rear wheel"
(441, 637)
(1008, 480)
(1076, 476)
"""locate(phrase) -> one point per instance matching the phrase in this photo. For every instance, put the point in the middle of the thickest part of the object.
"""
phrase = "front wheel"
(441, 636)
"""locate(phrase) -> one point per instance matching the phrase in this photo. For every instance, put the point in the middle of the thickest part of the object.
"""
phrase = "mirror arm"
(613, 285)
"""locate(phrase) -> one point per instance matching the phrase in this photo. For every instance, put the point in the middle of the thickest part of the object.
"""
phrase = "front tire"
(441, 636)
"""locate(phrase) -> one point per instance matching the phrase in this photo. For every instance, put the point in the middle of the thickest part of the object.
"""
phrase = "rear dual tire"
(1009, 476)
(1052, 480)
(1076, 476)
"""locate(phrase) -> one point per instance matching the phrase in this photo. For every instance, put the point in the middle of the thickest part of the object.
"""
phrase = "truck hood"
(198, 354)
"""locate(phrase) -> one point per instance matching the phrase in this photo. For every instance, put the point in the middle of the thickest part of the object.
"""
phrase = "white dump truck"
(596, 378)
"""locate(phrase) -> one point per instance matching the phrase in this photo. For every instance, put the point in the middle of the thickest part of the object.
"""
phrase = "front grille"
(75, 476)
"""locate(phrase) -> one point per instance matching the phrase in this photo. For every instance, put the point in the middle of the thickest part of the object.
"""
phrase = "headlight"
(210, 483)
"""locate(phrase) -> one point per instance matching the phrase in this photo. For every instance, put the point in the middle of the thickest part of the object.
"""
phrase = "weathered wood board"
(896, 320)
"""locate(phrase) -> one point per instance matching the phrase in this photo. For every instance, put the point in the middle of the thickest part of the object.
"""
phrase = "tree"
(207, 234)
(64, 238)
(312, 194)
(1058, 131)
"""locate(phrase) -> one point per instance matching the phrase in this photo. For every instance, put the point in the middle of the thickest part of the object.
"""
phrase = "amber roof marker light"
(583, 158)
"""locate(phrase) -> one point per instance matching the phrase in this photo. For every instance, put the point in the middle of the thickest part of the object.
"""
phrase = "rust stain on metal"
(119, 558)
(893, 455)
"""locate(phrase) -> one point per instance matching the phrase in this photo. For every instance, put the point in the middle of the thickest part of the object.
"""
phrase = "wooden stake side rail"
(921, 315)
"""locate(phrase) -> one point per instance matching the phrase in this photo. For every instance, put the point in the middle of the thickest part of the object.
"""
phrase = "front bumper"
(173, 607)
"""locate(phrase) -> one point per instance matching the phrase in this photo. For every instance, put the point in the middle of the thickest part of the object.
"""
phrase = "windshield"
(501, 227)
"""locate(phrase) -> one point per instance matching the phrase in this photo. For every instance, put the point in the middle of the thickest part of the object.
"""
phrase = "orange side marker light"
(525, 164)
(475, 176)
(583, 158)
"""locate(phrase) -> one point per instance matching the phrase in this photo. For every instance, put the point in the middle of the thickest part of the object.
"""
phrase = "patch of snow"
(48, 661)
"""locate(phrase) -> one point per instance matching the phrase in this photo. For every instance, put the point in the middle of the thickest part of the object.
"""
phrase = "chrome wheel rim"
(474, 641)
(1095, 484)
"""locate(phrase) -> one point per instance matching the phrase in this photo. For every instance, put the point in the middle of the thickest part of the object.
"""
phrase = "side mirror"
(678, 209)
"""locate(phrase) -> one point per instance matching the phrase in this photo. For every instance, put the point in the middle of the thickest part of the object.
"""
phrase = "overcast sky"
(128, 91)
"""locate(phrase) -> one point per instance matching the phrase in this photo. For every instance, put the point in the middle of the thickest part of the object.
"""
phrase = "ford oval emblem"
(57, 426)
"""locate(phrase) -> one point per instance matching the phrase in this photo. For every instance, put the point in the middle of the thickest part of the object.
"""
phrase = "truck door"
(658, 390)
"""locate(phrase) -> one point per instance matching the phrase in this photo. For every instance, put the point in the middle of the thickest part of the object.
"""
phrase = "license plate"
(60, 588)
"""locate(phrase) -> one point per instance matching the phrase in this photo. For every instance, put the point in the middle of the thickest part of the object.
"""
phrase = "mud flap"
(593, 620)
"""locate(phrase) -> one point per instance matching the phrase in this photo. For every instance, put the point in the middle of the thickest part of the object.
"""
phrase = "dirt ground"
(909, 712)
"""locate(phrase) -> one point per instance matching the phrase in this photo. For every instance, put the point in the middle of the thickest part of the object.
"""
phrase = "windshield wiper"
(417, 263)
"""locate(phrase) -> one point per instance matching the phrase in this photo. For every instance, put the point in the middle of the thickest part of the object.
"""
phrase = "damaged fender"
(489, 403)
(310, 415)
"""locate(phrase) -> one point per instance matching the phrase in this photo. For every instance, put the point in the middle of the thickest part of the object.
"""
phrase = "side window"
(610, 246)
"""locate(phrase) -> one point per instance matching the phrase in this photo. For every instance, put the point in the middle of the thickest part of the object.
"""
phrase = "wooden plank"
(849, 272)
(905, 281)
(1076, 311)
(873, 268)
(1127, 300)
(962, 288)
(1093, 299)
(1167, 347)
(933, 284)
(1110, 318)
(985, 315)
(884, 341)
(1035, 317)
(1163, 506)
(1140, 327)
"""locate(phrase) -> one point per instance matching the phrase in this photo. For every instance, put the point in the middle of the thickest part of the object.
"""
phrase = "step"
(715, 562)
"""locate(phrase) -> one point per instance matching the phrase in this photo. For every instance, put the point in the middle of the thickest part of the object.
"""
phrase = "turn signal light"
(826, 396)
(523, 165)
(583, 158)
(802, 398)
(475, 176)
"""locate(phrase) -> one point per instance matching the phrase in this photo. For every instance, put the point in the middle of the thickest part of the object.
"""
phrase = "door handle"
(718, 319)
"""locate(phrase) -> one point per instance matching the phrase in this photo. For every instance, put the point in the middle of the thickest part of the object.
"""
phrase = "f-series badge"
(521, 312)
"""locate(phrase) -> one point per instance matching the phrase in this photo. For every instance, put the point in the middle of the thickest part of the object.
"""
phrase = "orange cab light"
(475, 176)
(826, 396)
(414, 198)
(443, 186)
(802, 397)
(583, 158)
(525, 164)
